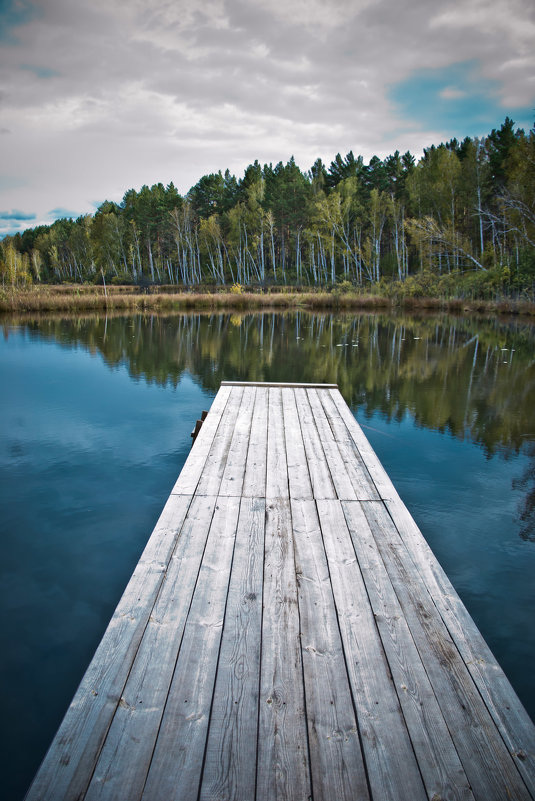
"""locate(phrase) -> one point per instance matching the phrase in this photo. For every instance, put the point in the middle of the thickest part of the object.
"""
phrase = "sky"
(103, 96)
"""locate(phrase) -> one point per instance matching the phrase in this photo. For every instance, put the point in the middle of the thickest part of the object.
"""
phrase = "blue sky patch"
(41, 72)
(455, 100)
(14, 13)
(14, 214)
(60, 213)
(14, 222)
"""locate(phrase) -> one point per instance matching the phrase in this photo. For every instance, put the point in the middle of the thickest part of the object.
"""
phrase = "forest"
(460, 221)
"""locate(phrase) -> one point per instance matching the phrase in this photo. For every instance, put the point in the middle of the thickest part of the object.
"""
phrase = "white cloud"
(121, 94)
(315, 14)
(496, 33)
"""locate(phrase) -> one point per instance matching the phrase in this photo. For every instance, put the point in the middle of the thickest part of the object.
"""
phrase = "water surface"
(95, 418)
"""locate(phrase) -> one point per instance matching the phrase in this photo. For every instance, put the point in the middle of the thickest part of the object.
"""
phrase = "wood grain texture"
(298, 473)
(510, 717)
(320, 475)
(393, 771)
(435, 751)
(233, 475)
(283, 772)
(486, 759)
(355, 466)
(176, 766)
(337, 468)
(363, 450)
(230, 761)
(336, 759)
(188, 479)
(124, 762)
(70, 761)
(277, 469)
(216, 460)
(288, 634)
(254, 481)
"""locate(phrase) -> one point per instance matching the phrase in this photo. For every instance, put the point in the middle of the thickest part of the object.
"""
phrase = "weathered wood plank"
(354, 464)
(230, 761)
(274, 384)
(288, 633)
(364, 450)
(283, 772)
(69, 763)
(277, 469)
(188, 479)
(254, 482)
(393, 772)
(216, 460)
(335, 755)
(176, 767)
(437, 757)
(298, 474)
(512, 720)
(232, 481)
(483, 753)
(320, 475)
(339, 475)
(124, 762)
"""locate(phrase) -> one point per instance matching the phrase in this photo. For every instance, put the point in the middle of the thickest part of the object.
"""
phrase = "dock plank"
(320, 475)
(510, 717)
(362, 448)
(483, 753)
(336, 759)
(277, 466)
(283, 765)
(230, 761)
(353, 462)
(435, 751)
(70, 761)
(176, 765)
(337, 467)
(298, 472)
(216, 459)
(254, 481)
(124, 761)
(190, 474)
(393, 771)
(289, 634)
(234, 473)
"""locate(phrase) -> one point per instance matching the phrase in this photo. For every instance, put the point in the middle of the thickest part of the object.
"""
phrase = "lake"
(95, 422)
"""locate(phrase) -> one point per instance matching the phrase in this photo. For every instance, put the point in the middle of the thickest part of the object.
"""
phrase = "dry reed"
(72, 299)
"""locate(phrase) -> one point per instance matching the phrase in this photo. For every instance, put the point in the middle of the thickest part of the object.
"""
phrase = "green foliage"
(460, 222)
(422, 285)
(343, 288)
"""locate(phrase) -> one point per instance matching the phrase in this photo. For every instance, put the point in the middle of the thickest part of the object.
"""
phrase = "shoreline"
(86, 298)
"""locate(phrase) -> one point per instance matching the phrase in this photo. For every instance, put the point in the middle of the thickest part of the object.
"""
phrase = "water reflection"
(473, 378)
(84, 480)
(527, 508)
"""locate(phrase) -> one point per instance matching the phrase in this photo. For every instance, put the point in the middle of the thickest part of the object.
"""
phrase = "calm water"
(95, 418)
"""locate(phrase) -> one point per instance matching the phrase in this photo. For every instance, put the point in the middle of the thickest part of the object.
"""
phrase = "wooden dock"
(288, 634)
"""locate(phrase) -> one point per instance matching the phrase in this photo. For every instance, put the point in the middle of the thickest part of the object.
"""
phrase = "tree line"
(464, 213)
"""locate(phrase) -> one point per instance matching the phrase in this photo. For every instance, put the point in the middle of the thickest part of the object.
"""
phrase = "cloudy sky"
(101, 96)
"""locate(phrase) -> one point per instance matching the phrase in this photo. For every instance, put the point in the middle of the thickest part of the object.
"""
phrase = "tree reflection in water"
(474, 378)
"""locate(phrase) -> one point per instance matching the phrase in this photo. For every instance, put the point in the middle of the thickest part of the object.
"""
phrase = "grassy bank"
(88, 298)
